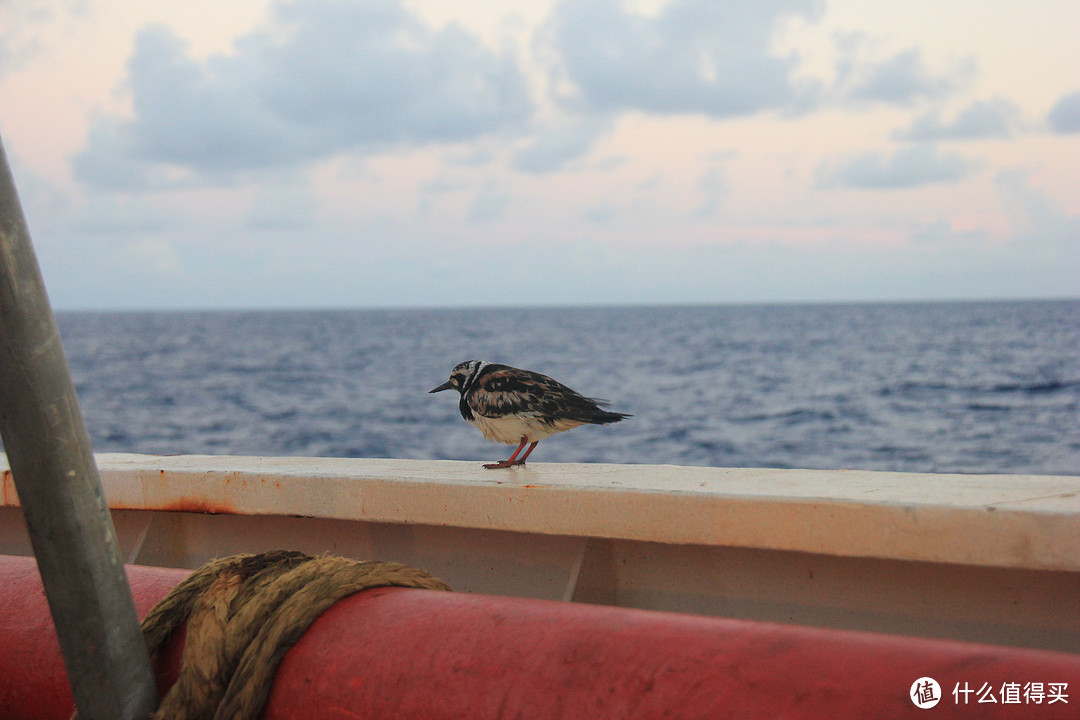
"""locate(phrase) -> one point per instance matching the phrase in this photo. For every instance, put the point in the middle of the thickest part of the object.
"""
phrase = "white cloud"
(902, 78)
(121, 216)
(713, 184)
(994, 118)
(601, 212)
(323, 77)
(1036, 219)
(552, 148)
(1064, 117)
(21, 21)
(695, 56)
(909, 166)
(155, 255)
(489, 203)
(287, 205)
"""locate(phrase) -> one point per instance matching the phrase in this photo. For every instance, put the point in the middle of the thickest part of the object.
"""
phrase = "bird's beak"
(445, 386)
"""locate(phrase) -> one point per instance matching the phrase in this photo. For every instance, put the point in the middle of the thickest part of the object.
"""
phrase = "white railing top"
(1022, 521)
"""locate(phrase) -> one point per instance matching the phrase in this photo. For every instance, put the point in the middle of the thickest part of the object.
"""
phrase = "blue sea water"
(923, 387)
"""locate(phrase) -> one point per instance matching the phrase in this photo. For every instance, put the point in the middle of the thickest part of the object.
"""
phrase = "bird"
(510, 406)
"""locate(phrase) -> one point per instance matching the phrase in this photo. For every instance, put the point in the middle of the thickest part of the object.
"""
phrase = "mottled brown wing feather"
(510, 391)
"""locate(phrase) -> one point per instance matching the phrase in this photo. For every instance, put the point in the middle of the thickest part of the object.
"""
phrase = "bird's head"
(460, 375)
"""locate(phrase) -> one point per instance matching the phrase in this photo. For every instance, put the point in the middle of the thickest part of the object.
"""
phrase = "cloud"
(900, 79)
(982, 119)
(20, 23)
(601, 212)
(156, 255)
(909, 166)
(1037, 218)
(713, 184)
(1064, 117)
(717, 58)
(121, 216)
(490, 203)
(551, 149)
(696, 56)
(323, 77)
(286, 206)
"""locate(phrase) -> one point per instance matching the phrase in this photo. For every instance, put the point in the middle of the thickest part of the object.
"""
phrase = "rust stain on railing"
(188, 504)
(200, 505)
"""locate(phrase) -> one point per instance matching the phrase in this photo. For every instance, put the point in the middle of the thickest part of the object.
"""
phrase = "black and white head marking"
(464, 375)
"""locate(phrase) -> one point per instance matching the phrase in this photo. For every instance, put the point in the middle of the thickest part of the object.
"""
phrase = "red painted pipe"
(33, 683)
(411, 654)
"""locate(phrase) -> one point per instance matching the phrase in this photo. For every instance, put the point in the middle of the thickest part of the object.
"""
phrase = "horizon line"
(561, 306)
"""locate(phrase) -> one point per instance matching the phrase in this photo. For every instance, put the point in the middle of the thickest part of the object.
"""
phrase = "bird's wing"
(511, 391)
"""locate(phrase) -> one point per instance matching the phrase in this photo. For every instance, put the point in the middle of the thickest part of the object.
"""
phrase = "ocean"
(981, 387)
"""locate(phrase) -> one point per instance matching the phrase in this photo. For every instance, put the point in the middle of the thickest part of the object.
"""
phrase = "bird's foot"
(513, 459)
(504, 464)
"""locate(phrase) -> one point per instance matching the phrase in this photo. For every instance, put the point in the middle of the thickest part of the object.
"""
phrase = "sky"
(389, 153)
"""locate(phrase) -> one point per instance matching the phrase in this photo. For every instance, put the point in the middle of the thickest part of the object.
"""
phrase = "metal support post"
(60, 491)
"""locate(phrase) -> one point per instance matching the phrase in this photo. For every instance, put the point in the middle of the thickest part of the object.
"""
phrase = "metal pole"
(59, 489)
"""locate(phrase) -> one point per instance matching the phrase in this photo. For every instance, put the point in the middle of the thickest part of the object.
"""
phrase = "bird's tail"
(604, 417)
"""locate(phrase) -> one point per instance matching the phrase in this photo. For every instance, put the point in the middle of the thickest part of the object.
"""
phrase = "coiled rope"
(243, 613)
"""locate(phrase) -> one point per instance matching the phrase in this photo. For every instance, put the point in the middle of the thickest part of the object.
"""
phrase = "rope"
(243, 613)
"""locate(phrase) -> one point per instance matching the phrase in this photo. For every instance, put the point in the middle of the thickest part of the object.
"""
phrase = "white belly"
(509, 429)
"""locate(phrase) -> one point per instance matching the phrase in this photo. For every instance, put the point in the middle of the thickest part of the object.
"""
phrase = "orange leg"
(521, 461)
(512, 460)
